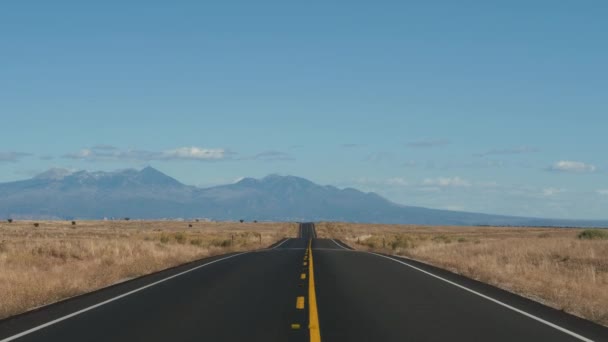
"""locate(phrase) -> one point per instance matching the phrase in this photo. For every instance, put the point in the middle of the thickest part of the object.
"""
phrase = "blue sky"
(497, 108)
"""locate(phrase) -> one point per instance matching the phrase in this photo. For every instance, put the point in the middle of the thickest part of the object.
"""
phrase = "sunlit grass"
(563, 268)
(56, 260)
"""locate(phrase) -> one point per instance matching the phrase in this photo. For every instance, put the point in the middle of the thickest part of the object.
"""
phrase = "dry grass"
(553, 266)
(57, 260)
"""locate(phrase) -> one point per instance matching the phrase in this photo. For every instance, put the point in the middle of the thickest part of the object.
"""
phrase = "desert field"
(563, 268)
(57, 260)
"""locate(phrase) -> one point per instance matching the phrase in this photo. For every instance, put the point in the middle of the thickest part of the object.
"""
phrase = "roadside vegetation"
(47, 261)
(564, 268)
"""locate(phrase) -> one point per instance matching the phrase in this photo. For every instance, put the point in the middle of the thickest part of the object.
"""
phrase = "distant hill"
(150, 194)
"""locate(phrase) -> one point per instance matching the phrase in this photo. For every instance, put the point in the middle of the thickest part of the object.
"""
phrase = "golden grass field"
(552, 266)
(57, 260)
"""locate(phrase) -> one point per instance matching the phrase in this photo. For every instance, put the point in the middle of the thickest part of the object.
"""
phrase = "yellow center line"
(313, 318)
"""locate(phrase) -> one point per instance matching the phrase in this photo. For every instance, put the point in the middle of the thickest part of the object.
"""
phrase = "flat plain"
(563, 268)
(56, 260)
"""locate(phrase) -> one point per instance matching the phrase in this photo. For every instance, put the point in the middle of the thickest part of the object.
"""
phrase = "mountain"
(150, 194)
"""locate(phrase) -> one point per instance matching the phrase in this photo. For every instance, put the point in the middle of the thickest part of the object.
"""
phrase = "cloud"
(508, 151)
(12, 156)
(446, 182)
(571, 166)
(603, 192)
(108, 153)
(428, 143)
(273, 156)
(379, 183)
(550, 192)
(194, 153)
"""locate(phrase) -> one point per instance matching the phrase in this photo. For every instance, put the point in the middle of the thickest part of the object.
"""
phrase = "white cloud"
(603, 192)
(550, 192)
(180, 153)
(379, 183)
(445, 182)
(572, 166)
(194, 153)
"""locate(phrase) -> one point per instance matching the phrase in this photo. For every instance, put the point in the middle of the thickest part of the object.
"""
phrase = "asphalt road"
(353, 296)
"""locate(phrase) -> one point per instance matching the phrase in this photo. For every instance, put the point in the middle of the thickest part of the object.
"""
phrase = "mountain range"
(150, 194)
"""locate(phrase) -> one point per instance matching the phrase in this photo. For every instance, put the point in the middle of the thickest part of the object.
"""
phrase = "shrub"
(241, 221)
(127, 218)
(10, 220)
(164, 239)
(593, 234)
(196, 242)
(36, 224)
(73, 223)
(442, 238)
(180, 238)
(190, 225)
(401, 242)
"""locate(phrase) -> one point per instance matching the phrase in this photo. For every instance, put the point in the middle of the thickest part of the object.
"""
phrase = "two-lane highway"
(301, 289)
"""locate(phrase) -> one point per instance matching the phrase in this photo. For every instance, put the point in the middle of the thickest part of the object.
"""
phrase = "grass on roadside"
(563, 268)
(56, 260)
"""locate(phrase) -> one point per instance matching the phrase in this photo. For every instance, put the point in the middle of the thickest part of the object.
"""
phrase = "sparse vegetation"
(563, 268)
(76, 259)
(593, 234)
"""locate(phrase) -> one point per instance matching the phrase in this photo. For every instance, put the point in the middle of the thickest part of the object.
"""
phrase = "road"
(268, 295)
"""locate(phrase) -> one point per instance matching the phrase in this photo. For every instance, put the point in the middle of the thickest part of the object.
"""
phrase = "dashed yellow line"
(300, 302)
(303, 276)
(313, 312)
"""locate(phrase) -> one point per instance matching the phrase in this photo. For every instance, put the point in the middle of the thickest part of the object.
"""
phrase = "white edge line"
(334, 241)
(287, 239)
(55, 321)
(573, 334)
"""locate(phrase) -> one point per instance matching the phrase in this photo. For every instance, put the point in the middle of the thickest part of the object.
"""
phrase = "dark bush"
(127, 218)
(10, 220)
(36, 224)
(593, 234)
(73, 223)
(241, 221)
(190, 225)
